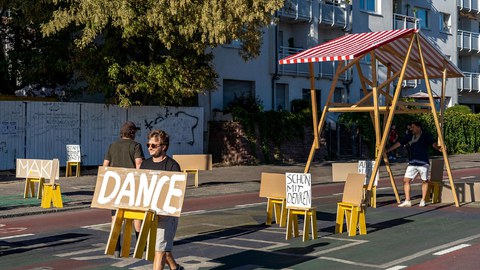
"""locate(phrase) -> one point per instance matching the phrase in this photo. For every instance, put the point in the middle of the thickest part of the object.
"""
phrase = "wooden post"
(437, 123)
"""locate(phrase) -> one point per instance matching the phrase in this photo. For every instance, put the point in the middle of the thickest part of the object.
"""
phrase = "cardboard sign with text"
(36, 168)
(272, 185)
(299, 190)
(366, 167)
(160, 191)
(73, 153)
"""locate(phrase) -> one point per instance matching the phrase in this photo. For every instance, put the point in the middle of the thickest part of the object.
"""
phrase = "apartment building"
(302, 24)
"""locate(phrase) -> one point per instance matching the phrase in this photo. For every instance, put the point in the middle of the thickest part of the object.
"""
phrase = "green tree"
(158, 51)
(31, 58)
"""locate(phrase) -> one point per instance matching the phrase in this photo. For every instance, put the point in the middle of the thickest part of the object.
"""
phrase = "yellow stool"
(277, 206)
(52, 195)
(30, 187)
(354, 216)
(195, 172)
(310, 218)
(433, 191)
(149, 229)
(68, 170)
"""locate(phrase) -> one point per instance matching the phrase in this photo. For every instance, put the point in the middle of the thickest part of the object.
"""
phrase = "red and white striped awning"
(390, 49)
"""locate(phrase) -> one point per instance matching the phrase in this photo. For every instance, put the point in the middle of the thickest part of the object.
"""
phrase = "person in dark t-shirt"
(158, 142)
(418, 160)
(125, 153)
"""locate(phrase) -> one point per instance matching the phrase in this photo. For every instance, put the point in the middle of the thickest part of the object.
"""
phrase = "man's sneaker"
(405, 204)
(179, 267)
(422, 203)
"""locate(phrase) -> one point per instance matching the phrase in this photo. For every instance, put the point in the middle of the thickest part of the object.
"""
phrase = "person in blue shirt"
(418, 143)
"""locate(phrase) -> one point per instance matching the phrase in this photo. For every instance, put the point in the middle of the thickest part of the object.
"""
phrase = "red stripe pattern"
(390, 47)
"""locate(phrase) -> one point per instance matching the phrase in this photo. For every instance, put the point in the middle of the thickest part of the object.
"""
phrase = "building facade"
(302, 24)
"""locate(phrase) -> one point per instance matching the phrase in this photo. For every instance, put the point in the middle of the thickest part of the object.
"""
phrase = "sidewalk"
(77, 192)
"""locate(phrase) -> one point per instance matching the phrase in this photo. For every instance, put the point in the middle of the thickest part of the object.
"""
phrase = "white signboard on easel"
(366, 167)
(73, 153)
(299, 190)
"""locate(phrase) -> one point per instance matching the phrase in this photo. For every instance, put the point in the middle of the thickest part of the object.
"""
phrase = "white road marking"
(428, 251)
(325, 251)
(398, 267)
(78, 252)
(349, 262)
(16, 236)
(467, 177)
(448, 250)
(95, 226)
(248, 205)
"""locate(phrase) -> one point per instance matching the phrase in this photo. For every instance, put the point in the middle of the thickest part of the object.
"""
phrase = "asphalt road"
(228, 232)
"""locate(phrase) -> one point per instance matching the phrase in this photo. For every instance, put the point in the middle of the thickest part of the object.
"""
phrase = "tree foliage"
(158, 50)
(30, 58)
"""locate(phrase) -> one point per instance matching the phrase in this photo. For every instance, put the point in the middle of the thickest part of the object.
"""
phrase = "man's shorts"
(166, 230)
(413, 171)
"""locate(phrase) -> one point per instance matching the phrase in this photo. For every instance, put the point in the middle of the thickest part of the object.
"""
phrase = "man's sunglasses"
(153, 145)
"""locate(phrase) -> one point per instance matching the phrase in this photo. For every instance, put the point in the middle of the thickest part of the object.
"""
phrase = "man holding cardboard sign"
(125, 153)
(158, 141)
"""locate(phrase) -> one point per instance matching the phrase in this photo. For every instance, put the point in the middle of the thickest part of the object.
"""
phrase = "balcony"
(298, 10)
(335, 14)
(468, 5)
(402, 22)
(326, 70)
(471, 82)
(468, 41)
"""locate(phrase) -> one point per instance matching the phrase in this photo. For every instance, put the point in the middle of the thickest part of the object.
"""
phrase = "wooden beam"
(390, 117)
(437, 125)
(313, 96)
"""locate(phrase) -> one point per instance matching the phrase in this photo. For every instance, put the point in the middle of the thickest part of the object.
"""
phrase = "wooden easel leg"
(314, 224)
(352, 231)
(306, 224)
(340, 217)
(362, 226)
(283, 215)
(127, 238)
(29, 188)
(152, 238)
(57, 197)
(115, 232)
(289, 224)
(143, 235)
(47, 197)
(41, 182)
(269, 212)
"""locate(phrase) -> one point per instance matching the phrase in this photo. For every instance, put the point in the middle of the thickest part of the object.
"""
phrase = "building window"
(445, 23)
(368, 5)
(233, 89)
(340, 95)
(307, 96)
(281, 97)
(422, 14)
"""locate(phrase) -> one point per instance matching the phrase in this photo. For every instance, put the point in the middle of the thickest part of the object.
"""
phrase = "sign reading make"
(299, 190)
(160, 191)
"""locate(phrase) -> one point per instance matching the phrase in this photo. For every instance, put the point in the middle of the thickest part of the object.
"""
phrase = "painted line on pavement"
(467, 177)
(428, 251)
(398, 267)
(16, 236)
(452, 249)
(349, 262)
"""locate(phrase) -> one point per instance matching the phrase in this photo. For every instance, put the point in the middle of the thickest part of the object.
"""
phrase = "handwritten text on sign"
(73, 153)
(366, 167)
(35, 168)
(160, 191)
(299, 189)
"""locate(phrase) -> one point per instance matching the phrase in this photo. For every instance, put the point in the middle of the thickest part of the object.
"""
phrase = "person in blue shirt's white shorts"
(418, 143)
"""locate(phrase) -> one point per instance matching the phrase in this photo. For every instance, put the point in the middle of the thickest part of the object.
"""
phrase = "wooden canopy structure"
(407, 55)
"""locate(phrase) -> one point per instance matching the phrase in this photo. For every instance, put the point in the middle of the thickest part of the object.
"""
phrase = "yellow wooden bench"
(191, 164)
